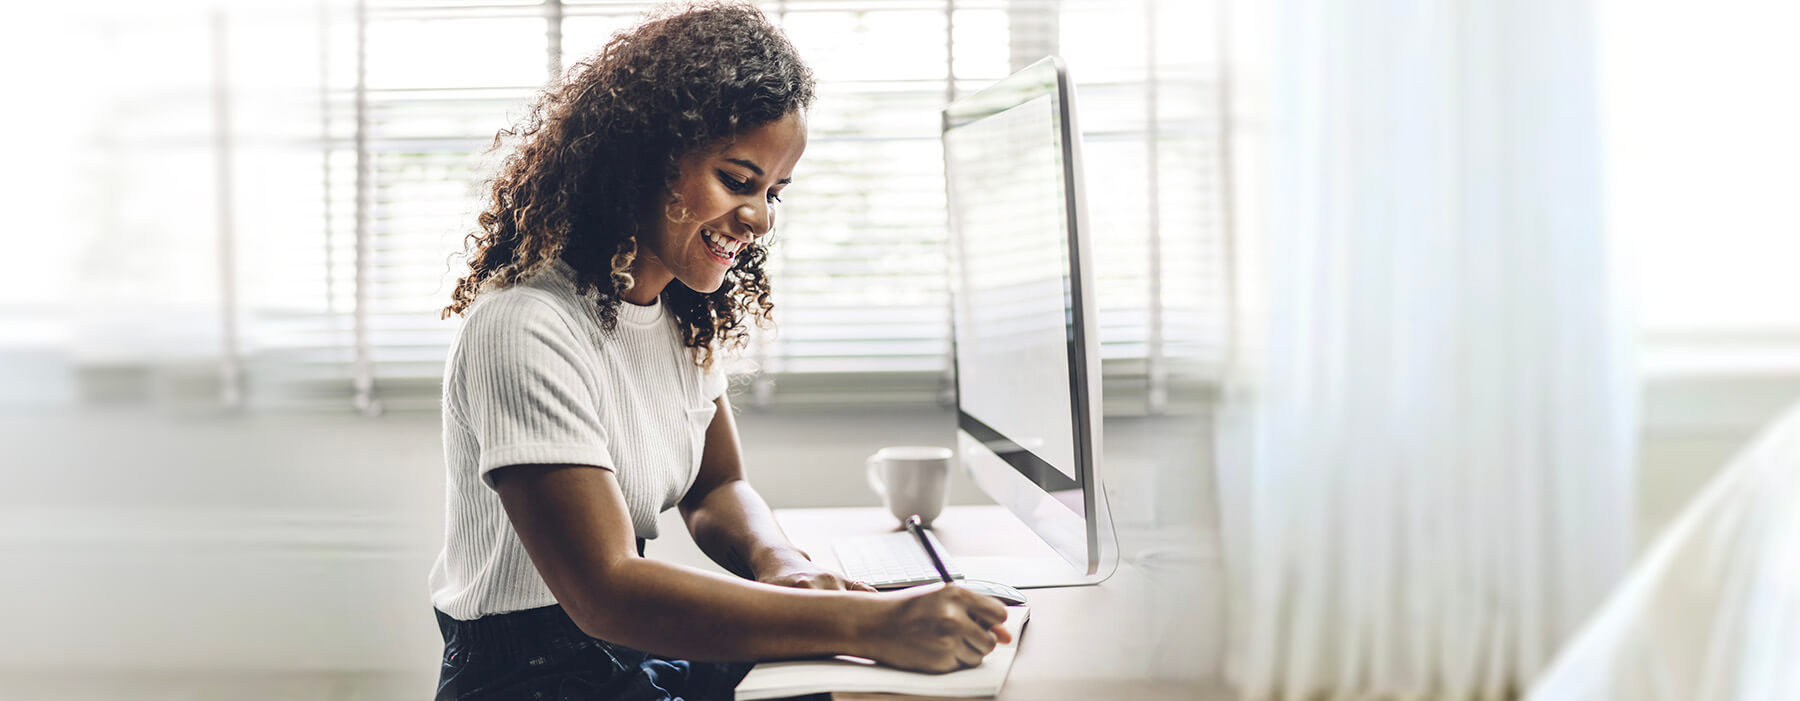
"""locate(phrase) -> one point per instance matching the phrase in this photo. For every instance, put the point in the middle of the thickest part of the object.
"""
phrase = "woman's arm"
(733, 525)
(575, 525)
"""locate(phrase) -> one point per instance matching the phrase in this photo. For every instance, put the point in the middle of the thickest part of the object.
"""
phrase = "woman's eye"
(734, 184)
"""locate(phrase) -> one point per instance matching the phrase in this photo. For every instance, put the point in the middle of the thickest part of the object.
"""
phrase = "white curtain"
(1426, 477)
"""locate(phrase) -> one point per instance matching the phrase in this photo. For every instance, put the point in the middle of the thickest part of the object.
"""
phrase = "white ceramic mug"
(911, 480)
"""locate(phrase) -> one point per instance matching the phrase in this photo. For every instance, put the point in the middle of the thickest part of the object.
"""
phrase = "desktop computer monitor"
(1022, 296)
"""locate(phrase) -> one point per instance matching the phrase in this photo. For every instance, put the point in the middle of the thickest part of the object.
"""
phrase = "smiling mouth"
(723, 247)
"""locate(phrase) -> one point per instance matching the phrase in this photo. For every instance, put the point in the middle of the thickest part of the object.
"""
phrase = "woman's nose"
(758, 218)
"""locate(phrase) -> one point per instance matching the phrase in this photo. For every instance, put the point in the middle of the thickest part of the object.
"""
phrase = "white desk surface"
(1091, 642)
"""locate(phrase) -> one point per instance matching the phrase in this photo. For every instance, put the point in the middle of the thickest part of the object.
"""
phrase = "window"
(1700, 143)
(291, 183)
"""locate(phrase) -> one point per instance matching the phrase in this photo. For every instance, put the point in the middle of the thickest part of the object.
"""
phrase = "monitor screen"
(1022, 313)
(1013, 305)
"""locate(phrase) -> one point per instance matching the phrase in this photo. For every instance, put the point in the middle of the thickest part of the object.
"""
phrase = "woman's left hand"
(810, 576)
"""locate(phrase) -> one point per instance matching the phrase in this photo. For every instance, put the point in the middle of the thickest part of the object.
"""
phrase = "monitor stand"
(989, 542)
(1026, 572)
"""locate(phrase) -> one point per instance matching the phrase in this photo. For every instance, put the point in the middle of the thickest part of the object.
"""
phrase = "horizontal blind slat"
(858, 261)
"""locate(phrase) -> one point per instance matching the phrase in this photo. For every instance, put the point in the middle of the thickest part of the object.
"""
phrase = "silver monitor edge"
(1086, 541)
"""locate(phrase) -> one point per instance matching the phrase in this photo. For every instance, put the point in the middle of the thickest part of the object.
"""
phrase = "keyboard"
(892, 560)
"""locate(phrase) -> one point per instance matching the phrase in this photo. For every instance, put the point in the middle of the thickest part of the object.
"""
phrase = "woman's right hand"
(939, 628)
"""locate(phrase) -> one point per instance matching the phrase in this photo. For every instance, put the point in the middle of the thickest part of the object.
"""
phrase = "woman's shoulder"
(522, 313)
(511, 306)
(549, 291)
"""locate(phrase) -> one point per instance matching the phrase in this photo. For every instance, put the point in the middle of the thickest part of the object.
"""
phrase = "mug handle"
(875, 482)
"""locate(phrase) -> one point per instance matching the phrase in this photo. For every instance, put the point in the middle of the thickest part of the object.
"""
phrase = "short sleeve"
(712, 382)
(516, 381)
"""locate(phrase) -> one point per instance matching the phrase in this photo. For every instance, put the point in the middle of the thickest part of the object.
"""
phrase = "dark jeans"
(541, 654)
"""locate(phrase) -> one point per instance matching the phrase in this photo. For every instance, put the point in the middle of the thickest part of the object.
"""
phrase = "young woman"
(620, 250)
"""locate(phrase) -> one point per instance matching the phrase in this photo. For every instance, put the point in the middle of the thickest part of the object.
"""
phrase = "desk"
(1096, 642)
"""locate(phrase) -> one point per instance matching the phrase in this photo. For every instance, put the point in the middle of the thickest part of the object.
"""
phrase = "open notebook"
(773, 680)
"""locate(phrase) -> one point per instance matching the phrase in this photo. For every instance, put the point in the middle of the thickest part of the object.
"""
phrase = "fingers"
(984, 609)
(967, 658)
(977, 636)
(988, 613)
(833, 580)
(945, 628)
(973, 646)
(982, 642)
(857, 585)
(817, 580)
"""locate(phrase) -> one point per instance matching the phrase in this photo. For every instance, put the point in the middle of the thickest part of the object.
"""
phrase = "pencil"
(918, 530)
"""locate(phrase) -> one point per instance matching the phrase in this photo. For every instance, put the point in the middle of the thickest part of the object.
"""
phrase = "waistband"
(509, 632)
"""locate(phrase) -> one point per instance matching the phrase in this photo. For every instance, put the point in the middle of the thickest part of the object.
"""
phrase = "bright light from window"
(1702, 128)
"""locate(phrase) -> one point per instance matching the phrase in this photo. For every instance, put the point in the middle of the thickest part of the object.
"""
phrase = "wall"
(135, 540)
(1692, 426)
(155, 541)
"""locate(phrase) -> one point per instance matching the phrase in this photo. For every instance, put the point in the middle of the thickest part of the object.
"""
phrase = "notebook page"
(771, 680)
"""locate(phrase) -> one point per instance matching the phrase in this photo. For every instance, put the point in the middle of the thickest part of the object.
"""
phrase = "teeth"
(728, 245)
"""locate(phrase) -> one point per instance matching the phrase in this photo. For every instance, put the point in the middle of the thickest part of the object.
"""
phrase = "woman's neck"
(648, 278)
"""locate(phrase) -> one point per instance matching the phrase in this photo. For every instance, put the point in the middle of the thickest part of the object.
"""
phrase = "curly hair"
(598, 151)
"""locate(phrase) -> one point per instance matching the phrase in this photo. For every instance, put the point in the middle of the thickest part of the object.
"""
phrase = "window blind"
(410, 97)
(359, 172)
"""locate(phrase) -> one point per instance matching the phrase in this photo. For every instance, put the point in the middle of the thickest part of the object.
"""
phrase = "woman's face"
(722, 201)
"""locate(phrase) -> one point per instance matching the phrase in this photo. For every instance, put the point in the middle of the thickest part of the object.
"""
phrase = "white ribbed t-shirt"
(532, 378)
